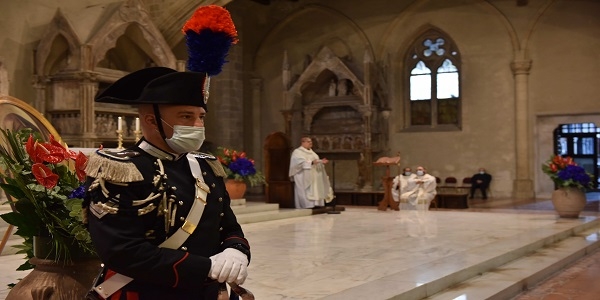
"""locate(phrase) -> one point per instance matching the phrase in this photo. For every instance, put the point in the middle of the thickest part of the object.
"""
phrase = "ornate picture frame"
(15, 114)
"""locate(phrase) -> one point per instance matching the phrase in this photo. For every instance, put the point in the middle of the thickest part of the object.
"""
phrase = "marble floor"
(364, 253)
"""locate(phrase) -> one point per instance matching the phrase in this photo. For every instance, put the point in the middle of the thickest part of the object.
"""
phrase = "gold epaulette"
(114, 166)
(213, 162)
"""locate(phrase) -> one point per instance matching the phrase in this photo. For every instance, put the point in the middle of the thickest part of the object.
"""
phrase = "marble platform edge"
(444, 274)
(521, 274)
(252, 207)
(264, 216)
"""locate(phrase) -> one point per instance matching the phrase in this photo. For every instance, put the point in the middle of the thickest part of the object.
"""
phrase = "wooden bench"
(452, 197)
(356, 197)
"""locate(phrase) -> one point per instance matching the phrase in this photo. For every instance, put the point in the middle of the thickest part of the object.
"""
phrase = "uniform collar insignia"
(203, 155)
(156, 152)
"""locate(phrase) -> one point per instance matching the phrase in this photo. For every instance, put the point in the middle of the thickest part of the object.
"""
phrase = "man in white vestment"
(307, 171)
(401, 185)
(420, 189)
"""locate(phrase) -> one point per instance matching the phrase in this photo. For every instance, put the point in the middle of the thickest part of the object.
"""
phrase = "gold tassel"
(112, 170)
(216, 166)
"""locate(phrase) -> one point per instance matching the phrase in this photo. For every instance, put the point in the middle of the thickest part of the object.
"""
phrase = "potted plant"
(570, 181)
(240, 171)
(44, 185)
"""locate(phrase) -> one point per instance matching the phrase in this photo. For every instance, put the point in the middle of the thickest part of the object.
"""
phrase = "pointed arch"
(432, 77)
(59, 33)
(131, 13)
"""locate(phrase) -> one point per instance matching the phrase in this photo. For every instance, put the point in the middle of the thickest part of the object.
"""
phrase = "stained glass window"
(434, 81)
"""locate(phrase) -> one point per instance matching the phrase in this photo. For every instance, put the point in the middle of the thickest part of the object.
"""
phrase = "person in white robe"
(307, 171)
(421, 189)
(400, 186)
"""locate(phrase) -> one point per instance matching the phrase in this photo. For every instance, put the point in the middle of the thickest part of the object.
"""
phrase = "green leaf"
(11, 189)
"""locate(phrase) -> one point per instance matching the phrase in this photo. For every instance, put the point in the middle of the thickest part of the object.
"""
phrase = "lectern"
(387, 183)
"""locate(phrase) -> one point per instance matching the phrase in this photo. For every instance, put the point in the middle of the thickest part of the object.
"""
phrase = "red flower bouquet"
(564, 172)
(44, 182)
(239, 166)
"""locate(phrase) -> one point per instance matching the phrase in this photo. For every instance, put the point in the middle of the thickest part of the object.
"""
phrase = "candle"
(137, 124)
(119, 124)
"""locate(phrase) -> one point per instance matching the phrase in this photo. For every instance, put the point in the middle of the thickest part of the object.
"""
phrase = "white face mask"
(185, 138)
(420, 173)
(407, 173)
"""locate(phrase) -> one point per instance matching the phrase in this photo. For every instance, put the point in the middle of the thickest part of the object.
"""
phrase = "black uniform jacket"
(128, 220)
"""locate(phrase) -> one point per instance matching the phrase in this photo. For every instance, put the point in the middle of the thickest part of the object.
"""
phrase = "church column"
(180, 65)
(40, 84)
(88, 87)
(366, 112)
(523, 184)
(256, 84)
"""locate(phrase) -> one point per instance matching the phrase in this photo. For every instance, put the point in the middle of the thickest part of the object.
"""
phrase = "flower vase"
(568, 202)
(56, 279)
(235, 188)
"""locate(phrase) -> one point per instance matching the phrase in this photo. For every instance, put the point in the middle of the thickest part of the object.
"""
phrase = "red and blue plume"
(210, 32)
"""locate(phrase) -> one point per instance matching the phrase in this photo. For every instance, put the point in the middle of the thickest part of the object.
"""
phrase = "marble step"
(497, 271)
(512, 278)
(279, 214)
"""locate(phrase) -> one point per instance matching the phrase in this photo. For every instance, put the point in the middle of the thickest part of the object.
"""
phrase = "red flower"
(80, 163)
(44, 175)
(30, 149)
(50, 153)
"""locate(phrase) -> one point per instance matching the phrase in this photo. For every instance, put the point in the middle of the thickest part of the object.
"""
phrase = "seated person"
(420, 189)
(480, 181)
(400, 185)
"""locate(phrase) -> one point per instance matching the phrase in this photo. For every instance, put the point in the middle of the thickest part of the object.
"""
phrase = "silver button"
(180, 202)
(204, 173)
(181, 218)
(184, 248)
(222, 214)
(221, 229)
(213, 185)
(220, 199)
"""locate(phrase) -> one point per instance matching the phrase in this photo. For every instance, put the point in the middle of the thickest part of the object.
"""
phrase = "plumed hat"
(156, 85)
(210, 32)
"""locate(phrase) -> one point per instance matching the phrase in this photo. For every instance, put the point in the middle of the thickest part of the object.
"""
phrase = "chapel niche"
(334, 106)
(78, 57)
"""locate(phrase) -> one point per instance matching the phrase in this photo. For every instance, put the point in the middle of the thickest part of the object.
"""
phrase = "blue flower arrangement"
(564, 172)
(239, 166)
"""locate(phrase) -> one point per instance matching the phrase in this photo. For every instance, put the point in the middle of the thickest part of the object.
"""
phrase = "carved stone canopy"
(329, 103)
(77, 57)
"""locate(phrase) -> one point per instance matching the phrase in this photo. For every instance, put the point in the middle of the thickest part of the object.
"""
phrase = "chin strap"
(159, 121)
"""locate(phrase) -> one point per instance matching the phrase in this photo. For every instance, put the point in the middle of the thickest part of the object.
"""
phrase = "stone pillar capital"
(521, 66)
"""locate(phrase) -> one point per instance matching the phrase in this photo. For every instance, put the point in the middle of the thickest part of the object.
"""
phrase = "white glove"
(231, 265)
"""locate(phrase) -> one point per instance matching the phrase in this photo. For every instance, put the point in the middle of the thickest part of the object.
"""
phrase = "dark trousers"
(483, 189)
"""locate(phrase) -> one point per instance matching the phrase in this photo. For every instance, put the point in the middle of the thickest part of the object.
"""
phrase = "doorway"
(579, 141)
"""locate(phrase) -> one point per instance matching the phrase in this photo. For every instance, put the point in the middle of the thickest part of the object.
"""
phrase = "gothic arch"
(130, 13)
(59, 28)
(324, 61)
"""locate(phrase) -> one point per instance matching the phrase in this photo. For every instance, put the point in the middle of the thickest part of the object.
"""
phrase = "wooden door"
(277, 151)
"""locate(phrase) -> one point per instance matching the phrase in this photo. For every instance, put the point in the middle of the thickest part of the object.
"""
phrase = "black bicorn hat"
(157, 85)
